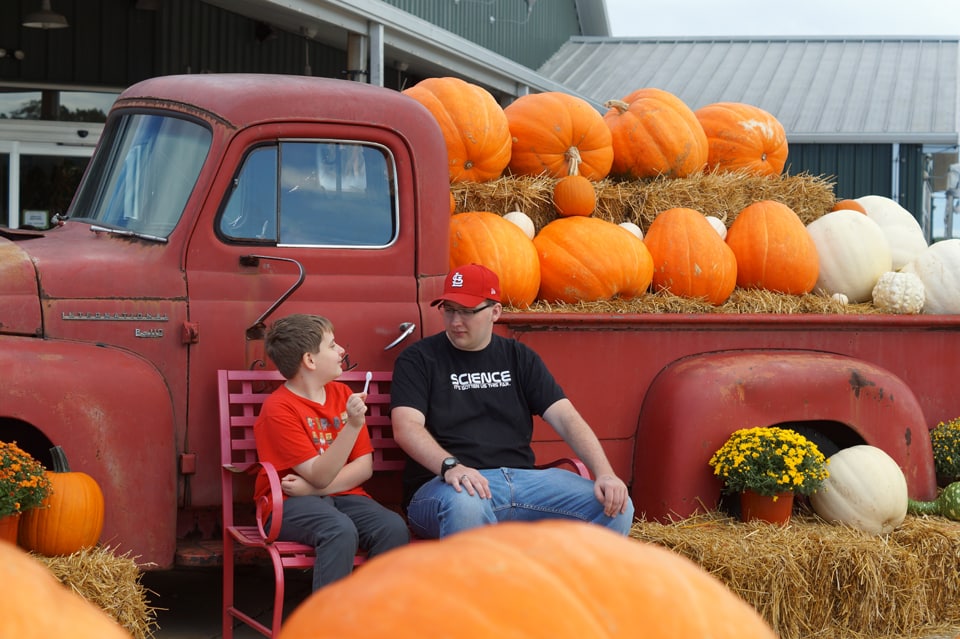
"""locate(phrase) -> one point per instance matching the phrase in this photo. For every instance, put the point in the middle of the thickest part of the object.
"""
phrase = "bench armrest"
(575, 465)
(269, 507)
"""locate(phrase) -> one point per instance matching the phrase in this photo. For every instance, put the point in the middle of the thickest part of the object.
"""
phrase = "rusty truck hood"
(20, 306)
(72, 268)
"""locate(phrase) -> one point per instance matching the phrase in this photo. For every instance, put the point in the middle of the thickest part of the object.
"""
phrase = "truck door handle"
(407, 328)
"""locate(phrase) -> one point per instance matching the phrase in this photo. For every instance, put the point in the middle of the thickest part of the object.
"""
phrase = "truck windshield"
(142, 174)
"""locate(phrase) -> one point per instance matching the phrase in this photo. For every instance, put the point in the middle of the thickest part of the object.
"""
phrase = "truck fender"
(695, 403)
(111, 412)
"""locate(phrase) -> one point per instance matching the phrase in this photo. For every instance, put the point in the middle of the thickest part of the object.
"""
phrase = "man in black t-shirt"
(462, 408)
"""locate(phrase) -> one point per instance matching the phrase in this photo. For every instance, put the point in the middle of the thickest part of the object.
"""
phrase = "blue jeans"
(437, 510)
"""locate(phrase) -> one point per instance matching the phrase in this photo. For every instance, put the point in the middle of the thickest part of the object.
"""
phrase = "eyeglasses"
(465, 313)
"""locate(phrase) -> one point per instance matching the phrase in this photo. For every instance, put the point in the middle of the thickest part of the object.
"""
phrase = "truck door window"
(143, 174)
(313, 193)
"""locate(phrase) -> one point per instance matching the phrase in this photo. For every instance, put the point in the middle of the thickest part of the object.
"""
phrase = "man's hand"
(612, 493)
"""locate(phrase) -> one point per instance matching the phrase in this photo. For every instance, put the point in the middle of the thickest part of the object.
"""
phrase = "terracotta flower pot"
(775, 510)
(9, 525)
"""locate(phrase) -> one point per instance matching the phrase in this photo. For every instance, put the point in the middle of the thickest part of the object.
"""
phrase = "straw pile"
(723, 194)
(110, 582)
(812, 580)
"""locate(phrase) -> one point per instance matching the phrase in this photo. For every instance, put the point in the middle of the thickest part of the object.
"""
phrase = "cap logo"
(456, 281)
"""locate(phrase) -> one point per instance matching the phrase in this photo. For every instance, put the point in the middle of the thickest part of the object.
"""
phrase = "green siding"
(863, 169)
(526, 37)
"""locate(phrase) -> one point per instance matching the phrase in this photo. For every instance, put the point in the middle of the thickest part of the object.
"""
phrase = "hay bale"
(810, 579)
(720, 193)
(110, 582)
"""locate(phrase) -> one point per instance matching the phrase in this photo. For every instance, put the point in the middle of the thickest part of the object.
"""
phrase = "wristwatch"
(448, 463)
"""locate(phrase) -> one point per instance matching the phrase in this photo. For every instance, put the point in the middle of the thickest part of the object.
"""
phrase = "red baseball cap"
(470, 285)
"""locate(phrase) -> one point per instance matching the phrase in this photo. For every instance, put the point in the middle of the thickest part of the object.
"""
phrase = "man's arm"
(573, 428)
(410, 432)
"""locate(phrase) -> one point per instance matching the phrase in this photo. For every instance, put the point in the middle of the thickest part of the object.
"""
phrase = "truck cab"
(204, 210)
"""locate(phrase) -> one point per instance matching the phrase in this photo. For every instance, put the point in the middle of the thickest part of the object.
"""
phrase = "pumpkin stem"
(60, 463)
(923, 507)
(619, 105)
(573, 160)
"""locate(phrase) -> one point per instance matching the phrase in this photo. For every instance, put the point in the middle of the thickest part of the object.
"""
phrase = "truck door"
(300, 219)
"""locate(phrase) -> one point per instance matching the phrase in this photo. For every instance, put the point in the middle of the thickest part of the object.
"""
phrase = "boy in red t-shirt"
(312, 430)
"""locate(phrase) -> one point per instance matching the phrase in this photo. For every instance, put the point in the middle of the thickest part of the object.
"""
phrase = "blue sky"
(811, 17)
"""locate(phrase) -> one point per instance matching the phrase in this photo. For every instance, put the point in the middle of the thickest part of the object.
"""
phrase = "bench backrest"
(242, 393)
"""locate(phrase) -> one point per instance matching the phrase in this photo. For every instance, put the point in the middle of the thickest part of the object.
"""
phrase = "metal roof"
(822, 89)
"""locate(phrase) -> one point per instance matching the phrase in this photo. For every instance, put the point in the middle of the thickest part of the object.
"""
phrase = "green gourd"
(947, 504)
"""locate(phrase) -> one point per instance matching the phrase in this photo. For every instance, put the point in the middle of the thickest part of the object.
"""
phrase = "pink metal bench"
(241, 393)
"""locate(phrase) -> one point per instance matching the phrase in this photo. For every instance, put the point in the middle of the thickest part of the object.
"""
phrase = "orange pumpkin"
(70, 518)
(453, 203)
(518, 580)
(654, 133)
(574, 195)
(773, 248)
(689, 257)
(38, 606)
(743, 137)
(473, 125)
(557, 134)
(589, 259)
(851, 205)
(481, 237)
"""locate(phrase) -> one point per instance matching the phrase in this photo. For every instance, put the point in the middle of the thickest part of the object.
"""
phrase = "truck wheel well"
(27, 437)
(829, 436)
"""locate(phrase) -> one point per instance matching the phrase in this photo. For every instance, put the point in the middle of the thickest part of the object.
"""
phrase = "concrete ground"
(189, 599)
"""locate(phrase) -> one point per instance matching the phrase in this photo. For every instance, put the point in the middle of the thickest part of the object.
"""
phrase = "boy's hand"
(294, 485)
(356, 409)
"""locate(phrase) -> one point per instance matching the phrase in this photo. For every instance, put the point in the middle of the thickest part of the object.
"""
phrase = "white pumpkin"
(938, 268)
(900, 293)
(633, 228)
(718, 225)
(866, 489)
(522, 220)
(902, 229)
(853, 252)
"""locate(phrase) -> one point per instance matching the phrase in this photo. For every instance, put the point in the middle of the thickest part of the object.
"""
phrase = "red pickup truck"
(215, 203)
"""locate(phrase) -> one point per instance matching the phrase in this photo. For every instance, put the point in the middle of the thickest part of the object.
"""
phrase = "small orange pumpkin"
(532, 579)
(654, 133)
(851, 205)
(482, 237)
(689, 257)
(574, 195)
(473, 125)
(40, 607)
(773, 248)
(589, 259)
(70, 518)
(558, 134)
(743, 137)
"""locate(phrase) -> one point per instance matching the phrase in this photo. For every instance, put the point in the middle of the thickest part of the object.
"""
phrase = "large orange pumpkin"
(851, 205)
(38, 606)
(743, 137)
(773, 248)
(70, 518)
(554, 578)
(481, 237)
(654, 133)
(557, 134)
(589, 259)
(473, 125)
(689, 257)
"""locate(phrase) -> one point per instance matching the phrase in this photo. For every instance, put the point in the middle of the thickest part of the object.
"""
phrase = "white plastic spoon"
(366, 384)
